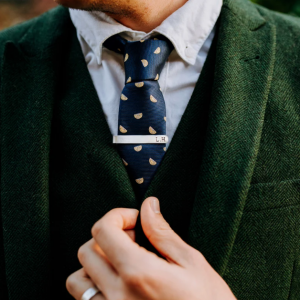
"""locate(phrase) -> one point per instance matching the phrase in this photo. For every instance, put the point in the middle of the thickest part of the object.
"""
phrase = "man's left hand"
(122, 270)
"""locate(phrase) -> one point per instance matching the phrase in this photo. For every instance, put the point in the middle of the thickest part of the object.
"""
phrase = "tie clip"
(140, 139)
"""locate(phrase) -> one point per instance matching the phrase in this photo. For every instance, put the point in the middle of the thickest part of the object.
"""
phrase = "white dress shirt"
(190, 29)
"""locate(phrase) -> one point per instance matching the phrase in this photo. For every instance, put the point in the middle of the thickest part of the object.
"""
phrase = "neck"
(148, 15)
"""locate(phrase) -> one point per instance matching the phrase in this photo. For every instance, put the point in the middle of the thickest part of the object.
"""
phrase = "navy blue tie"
(142, 114)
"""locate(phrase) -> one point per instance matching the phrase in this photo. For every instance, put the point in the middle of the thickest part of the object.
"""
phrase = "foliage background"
(285, 6)
(15, 11)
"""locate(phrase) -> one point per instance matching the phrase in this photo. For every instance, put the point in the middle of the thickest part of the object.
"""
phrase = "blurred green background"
(15, 11)
(285, 6)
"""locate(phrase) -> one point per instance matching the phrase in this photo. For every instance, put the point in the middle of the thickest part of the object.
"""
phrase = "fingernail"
(154, 203)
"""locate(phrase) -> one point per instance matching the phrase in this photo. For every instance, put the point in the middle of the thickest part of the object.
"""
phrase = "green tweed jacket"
(245, 215)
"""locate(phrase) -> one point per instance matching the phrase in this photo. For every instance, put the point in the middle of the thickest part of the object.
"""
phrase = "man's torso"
(245, 211)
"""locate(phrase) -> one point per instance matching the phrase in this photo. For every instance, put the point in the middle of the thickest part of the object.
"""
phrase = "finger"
(78, 283)
(97, 267)
(109, 233)
(131, 234)
(161, 236)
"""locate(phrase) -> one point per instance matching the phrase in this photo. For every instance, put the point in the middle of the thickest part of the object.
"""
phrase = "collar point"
(191, 60)
(189, 55)
(99, 61)
(98, 55)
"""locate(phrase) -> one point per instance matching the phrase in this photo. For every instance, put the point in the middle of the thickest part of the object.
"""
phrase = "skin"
(141, 15)
(122, 270)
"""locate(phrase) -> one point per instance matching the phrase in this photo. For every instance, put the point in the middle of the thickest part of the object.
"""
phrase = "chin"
(112, 7)
(79, 4)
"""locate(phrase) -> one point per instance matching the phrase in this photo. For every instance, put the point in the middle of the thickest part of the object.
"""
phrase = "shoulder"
(39, 31)
(287, 26)
(278, 18)
(287, 37)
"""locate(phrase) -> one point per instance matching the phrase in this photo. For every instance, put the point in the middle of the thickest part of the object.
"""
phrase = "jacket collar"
(44, 34)
(245, 13)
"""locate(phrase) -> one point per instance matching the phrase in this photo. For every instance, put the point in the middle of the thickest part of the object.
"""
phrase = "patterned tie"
(142, 114)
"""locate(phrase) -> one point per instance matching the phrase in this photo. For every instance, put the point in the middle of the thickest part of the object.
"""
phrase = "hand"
(122, 270)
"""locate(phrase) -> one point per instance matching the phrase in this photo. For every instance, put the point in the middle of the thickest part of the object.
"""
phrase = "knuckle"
(164, 227)
(197, 257)
(161, 233)
(135, 279)
(71, 283)
(98, 228)
(116, 210)
(81, 254)
(131, 277)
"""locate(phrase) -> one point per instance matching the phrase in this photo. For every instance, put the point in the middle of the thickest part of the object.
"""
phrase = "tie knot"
(143, 60)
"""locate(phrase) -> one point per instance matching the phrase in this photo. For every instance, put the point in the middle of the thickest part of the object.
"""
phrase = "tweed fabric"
(28, 205)
(244, 213)
(271, 215)
(142, 109)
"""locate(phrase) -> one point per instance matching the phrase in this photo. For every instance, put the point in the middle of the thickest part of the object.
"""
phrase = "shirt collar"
(187, 28)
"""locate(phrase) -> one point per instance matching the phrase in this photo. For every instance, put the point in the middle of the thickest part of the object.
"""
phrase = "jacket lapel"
(27, 94)
(175, 182)
(30, 85)
(244, 68)
(25, 125)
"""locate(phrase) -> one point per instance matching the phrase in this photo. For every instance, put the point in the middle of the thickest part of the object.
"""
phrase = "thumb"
(160, 234)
